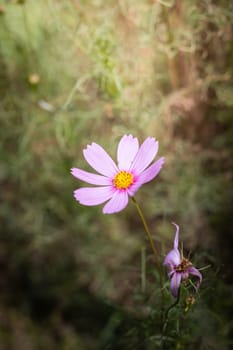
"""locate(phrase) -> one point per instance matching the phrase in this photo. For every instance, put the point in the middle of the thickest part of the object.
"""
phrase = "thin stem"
(149, 235)
(166, 316)
(76, 87)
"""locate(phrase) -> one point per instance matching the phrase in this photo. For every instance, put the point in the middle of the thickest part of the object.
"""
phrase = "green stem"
(149, 235)
(166, 317)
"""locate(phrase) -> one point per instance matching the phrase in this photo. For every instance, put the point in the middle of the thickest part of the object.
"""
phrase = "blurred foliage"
(73, 72)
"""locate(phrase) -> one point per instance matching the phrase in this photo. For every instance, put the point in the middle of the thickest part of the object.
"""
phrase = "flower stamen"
(183, 266)
(123, 180)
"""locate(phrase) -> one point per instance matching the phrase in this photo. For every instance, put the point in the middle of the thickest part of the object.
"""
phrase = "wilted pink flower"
(179, 268)
(117, 182)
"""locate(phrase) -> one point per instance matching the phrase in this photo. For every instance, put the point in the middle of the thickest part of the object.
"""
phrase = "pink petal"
(145, 155)
(176, 239)
(90, 178)
(193, 271)
(171, 272)
(151, 172)
(173, 258)
(175, 284)
(184, 275)
(93, 195)
(146, 176)
(117, 203)
(134, 188)
(96, 156)
(127, 150)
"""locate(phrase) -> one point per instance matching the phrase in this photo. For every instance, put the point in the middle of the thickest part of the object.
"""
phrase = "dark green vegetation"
(73, 72)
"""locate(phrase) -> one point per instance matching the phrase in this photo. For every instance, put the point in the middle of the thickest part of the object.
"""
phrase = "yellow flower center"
(123, 180)
(184, 265)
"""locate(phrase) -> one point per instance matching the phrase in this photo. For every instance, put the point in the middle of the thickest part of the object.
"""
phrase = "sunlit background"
(74, 72)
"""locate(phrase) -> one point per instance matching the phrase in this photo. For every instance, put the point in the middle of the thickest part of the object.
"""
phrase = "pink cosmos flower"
(179, 268)
(115, 183)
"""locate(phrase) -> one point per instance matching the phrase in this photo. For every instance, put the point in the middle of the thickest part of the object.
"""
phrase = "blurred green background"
(74, 72)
